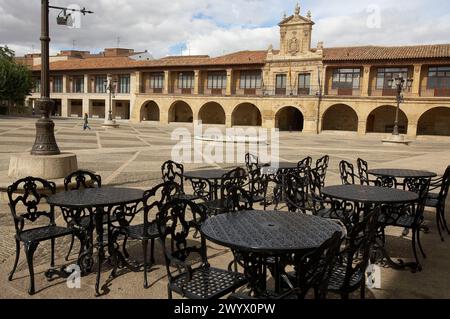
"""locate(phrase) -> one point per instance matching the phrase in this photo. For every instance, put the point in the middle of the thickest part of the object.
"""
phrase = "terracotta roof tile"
(387, 53)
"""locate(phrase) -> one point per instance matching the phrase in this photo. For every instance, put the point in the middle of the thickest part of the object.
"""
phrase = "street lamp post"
(45, 142)
(110, 87)
(400, 85)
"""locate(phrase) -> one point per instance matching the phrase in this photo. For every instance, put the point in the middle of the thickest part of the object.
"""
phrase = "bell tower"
(295, 34)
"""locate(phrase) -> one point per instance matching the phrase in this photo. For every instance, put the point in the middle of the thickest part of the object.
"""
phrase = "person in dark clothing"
(86, 122)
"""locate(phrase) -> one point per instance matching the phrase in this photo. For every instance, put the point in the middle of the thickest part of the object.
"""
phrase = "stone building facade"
(297, 87)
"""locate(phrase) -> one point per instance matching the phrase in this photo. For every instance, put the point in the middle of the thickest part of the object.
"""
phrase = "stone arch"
(212, 113)
(340, 117)
(180, 112)
(435, 121)
(289, 118)
(246, 114)
(381, 120)
(150, 111)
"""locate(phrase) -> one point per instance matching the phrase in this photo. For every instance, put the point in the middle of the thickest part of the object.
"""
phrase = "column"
(415, 90)
(86, 83)
(86, 106)
(228, 119)
(64, 79)
(365, 81)
(412, 129)
(136, 84)
(196, 81)
(166, 82)
(64, 106)
(229, 83)
(362, 127)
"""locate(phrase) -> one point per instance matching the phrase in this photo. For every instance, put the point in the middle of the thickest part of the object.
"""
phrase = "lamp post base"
(110, 123)
(45, 166)
(45, 142)
(395, 140)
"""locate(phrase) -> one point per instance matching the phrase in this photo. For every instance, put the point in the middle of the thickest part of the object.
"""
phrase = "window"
(78, 85)
(185, 80)
(157, 80)
(57, 84)
(280, 81)
(385, 74)
(217, 80)
(100, 84)
(304, 81)
(439, 77)
(346, 78)
(124, 84)
(250, 80)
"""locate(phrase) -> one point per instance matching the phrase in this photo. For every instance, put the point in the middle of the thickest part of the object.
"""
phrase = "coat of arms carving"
(293, 46)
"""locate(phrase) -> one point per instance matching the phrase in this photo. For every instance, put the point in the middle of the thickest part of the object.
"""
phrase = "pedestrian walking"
(86, 122)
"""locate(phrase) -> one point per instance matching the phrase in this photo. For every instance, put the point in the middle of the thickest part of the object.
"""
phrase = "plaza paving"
(132, 155)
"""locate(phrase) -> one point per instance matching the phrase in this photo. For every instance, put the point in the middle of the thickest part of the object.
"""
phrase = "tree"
(15, 79)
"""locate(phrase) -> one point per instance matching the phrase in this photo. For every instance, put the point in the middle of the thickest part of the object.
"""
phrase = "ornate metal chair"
(313, 270)
(363, 172)
(437, 200)
(78, 180)
(408, 216)
(296, 192)
(257, 187)
(196, 279)
(251, 162)
(322, 167)
(173, 172)
(147, 231)
(347, 172)
(349, 271)
(305, 163)
(26, 200)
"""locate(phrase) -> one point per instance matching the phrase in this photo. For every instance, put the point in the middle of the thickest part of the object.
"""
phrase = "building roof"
(367, 53)
(362, 53)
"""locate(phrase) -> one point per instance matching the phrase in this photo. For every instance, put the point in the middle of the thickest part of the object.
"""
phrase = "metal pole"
(45, 142)
(397, 110)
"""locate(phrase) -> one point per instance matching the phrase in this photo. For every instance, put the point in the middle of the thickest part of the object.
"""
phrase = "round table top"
(369, 194)
(401, 173)
(269, 232)
(206, 173)
(95, 197)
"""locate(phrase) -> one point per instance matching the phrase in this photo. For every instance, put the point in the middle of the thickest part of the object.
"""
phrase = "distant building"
(298, 87)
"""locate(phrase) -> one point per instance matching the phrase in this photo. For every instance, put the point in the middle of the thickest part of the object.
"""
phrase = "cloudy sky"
(215, 27)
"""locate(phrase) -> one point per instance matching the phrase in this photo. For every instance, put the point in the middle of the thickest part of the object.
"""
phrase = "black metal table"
(102, 203)
(401, 173)
(214, 176)
(368, 197)
(259, 234)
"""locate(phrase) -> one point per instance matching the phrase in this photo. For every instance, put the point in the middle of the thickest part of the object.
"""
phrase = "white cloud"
(217, 26)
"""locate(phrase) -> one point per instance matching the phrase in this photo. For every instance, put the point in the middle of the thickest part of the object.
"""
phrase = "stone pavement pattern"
(132, 155)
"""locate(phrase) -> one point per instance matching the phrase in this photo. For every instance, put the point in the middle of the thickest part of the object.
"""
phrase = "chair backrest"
(419, 186)
(30, 194)
(296, 192)
(251, 162)
(236, 177)
(363, 171)
(202, 188)
(356, 253)
(236, 198)
(257, 183)
(82, 179)
(306, 162)
(322, 167)
(313, 270)
(176, 219)
(347, 173)
(173, 172)
(443, 192)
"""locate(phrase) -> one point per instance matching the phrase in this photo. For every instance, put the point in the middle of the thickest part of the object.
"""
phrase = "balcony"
(442, 92)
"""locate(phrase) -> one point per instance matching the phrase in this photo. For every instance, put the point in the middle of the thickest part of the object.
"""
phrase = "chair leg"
(152, 251)
(363, 290)
(52, 261)
(144, 249)
(414, 246)
(169, 292)
(30, 248)
(420, 244)
(16, 261)
(70, 247)
(124, 247)
(444, 220)
(439, 225)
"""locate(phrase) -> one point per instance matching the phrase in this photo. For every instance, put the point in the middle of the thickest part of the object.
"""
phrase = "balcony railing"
(442, 92)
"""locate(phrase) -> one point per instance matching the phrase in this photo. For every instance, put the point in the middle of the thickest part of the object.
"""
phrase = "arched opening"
(246, 114)
(180, 112)
(289, 118)
(381, 120)
(150, 112)
(212, 113)
(340, 117)
(435, 122)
